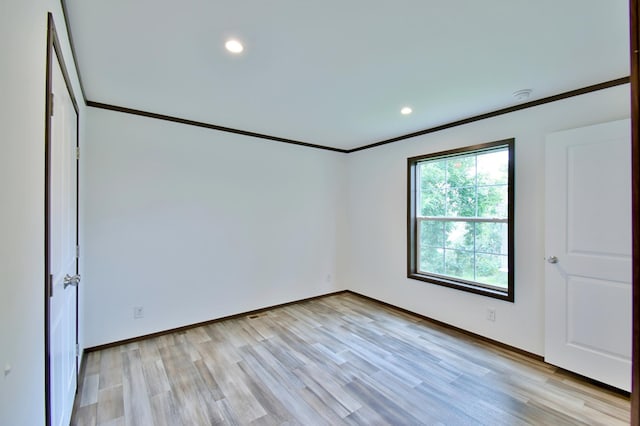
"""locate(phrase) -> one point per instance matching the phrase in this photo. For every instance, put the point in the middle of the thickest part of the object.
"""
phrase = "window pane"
(492, 269)
(459, 264)
(461, 186)
(493, 201)
(461, 171)
(431, 233)
(432, 172)
(493, 168)
(461, 201)
(460, 235)
(432, 260)
(432, 203)
(432, 188)
(492, 238)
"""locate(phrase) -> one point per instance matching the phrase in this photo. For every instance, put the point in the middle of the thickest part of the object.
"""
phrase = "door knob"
(552, 259)
(71, 280)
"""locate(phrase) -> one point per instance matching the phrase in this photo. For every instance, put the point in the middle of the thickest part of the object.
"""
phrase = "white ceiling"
(337, 72)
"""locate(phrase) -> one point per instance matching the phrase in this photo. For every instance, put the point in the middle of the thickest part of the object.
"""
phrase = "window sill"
(464, 286)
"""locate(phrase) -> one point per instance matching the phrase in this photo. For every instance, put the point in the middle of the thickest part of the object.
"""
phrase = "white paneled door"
(63, 278)
(588, 252)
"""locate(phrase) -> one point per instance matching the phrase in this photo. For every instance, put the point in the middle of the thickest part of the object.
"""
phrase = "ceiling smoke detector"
(522, 95)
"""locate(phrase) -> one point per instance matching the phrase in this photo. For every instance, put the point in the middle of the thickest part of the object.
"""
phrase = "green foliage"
(471, 186)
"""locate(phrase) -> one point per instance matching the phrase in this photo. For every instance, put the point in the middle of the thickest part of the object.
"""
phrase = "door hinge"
(77, 152)
(77, 349)
(51, 104)
(77, 252)
(50, 285)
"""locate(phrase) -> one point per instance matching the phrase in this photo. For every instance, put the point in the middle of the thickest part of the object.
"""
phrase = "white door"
(62, 252)
(588, 252)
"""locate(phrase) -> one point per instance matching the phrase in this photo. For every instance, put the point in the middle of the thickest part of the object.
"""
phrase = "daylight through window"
(460, 218)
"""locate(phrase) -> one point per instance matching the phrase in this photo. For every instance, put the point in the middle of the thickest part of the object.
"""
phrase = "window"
(460, 218)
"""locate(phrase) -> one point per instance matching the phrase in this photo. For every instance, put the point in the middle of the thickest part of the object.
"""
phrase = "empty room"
(408, 212)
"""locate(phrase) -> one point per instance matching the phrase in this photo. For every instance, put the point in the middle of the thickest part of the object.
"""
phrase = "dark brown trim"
(634, 14)
(561, 96)
(47, 231)
(266, 309)
(54, 50)
(65, 17)
(253, 313)
(452, 327)
(211, 321)
(208, 126)
(491, 342)
(412, 232)
(565, 95)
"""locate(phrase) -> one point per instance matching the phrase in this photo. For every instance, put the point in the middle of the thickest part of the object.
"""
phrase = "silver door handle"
(552, 259)
(71, 280)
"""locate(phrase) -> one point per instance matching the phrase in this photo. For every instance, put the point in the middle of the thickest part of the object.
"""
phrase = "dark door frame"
(634, 16)
(54, 52)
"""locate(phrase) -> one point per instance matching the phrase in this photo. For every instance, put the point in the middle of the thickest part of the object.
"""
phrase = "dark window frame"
(412, 251)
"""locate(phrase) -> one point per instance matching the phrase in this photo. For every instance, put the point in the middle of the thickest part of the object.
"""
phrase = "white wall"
(377, 213)
(172, 224)
(23, 35)
(194, 224)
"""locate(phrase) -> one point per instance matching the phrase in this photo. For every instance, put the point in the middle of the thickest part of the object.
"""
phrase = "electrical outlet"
(491, 314)
(138, 312)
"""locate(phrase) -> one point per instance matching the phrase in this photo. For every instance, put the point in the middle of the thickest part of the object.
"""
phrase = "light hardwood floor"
(340, 359)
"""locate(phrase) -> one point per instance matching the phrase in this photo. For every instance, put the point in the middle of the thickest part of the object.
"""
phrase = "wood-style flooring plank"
(193, 399)
(86, 415)
(165, 410)
(110, 367)
(89, 393)
(111, 405)
(137, 407)
(336, 360)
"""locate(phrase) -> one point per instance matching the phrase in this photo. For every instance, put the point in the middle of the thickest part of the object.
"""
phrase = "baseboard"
(452, 327)
(207, 322)
(495, 343)
(471, 334)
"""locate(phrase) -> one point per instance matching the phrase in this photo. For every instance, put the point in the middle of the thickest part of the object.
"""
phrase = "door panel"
(62, 250)
(593, 330)
(595, 168)
(588, 248)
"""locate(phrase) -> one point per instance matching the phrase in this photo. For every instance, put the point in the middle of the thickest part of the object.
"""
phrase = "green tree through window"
(460, 208)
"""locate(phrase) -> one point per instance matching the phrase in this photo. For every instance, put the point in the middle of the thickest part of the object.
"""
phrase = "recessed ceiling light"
(406, 111)
(234, 46)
